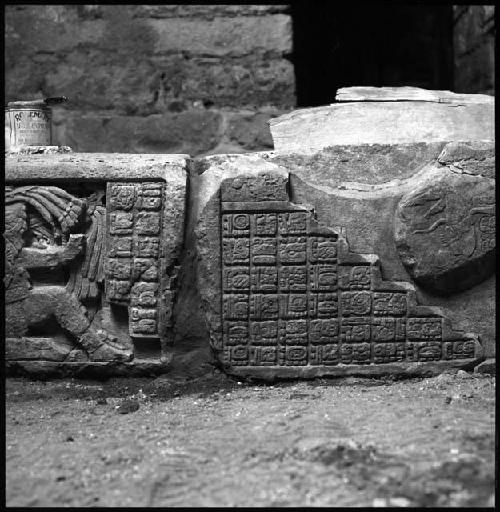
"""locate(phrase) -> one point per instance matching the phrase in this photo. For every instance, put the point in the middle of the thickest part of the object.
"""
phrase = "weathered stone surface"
(195, 131)
(96, 167)
(474, 157)
(407, 94)
(219, 36)
(45, 349)
(382, 122)
(445, 232)
(91, 268)
(427, 369)
(225, 37)
(205, 11)
(293, 296)
(167, 83)
(37, 150)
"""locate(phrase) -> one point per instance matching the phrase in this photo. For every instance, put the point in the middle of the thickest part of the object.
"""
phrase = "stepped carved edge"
(296, 302)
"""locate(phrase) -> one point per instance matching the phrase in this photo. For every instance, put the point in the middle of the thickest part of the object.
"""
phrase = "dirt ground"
(215, 441)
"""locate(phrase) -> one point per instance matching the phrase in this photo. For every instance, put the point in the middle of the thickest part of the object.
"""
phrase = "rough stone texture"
(383, 122)
(194, 131)
(95, 167)
(346, 94)
(150, 78)
(256, 311)
(91, 260)
(474, 48)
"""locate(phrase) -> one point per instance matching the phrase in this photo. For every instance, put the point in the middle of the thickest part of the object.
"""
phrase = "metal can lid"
(43, 103)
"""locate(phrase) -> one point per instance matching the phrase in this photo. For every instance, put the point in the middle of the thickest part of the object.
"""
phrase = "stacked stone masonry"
(155, 78)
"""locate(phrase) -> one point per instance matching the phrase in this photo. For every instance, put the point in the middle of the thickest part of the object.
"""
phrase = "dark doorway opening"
(380, 45)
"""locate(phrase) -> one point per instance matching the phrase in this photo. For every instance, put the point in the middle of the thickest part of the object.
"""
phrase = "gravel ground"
(214, 441)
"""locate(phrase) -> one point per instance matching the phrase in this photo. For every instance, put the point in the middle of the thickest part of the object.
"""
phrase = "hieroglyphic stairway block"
(293, 295)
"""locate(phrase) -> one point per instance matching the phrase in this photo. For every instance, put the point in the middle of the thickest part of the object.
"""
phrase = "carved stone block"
(296, 301)
(91, 261)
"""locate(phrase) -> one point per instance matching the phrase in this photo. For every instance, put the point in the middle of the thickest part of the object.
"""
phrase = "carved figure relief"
(445, 232)
(71, 261)
(295, 296)
(46, 239)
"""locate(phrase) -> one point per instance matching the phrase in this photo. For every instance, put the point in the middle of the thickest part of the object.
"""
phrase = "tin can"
(27, 126)
(29, 123)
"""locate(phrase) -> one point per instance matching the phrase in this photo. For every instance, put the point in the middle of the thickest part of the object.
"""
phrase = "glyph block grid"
(134, 249)
(286, 301)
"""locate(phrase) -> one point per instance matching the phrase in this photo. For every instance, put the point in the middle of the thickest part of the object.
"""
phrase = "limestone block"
(285, 295)
(225, 36)
(196, 131)
(94, 248)
(382, 120)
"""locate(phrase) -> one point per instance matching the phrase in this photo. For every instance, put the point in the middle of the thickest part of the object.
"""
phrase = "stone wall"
(474, 48)
(195, 79)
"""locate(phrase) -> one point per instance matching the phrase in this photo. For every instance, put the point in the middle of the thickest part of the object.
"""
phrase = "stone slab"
(224, 36)
(95, 167)
(346, 94)
(401, 370)
(381, 122)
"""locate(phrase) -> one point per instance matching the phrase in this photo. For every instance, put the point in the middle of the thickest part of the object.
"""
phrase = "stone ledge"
(427, 369)
(95, 167)
(408, 94)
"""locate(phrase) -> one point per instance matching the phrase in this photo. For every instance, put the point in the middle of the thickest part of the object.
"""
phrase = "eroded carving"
(445, 232)
(86, 271)
(50, 233)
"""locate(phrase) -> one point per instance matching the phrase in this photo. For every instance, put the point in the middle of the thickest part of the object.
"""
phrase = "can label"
(27, 127)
